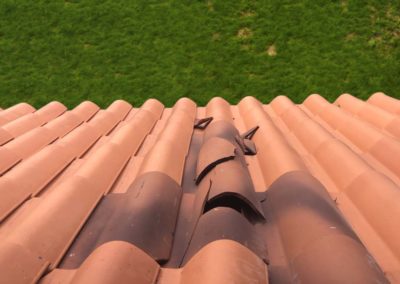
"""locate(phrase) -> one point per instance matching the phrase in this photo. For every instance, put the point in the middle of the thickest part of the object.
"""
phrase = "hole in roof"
(236, 203)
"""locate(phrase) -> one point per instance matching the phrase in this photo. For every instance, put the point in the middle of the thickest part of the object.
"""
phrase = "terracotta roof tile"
(252, 193)
(15, 112)
(385, 102)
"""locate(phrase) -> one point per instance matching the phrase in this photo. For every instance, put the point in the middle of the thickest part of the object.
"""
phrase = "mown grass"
(105, 50)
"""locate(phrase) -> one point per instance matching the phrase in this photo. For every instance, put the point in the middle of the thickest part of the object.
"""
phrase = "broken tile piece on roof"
(253, 193)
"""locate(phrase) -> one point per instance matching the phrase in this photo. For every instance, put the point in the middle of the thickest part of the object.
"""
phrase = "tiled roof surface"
(247, 193)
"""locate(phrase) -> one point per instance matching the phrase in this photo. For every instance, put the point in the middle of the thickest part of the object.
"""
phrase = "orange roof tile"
(253, 193)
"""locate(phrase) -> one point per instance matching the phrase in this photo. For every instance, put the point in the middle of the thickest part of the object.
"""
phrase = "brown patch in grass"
(253, 76)
(246, 47)
(216, 36)
(345, 6)
(210, 6)
(375, 40)
(350, 36)
(247, 14)
(244, 33)
(271, 50)
(68, 3)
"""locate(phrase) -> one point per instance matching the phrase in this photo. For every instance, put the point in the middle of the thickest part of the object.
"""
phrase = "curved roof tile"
(311, 228)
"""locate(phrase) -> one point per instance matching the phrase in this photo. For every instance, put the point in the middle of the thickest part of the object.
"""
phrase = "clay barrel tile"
(316, 103)
(221, 161)
(248, 104)
(104, 167)
(299, 201)
(387, 151)
(154, 106)
(274, 153)
(289, 112)
(164, 157)
(311, 135)
(80, 139)
(339, 162)
(50, 111)
(224, 261)
(30, 121)
(30, 177)
(393, 127)
(85, 110)
(177, 130)
(15, 112)
(333, 115)
(187, 105)
(113, 262)
(29, 143)
(219, 109)
(5, 136)
(19, 265)
(360, 268)
(213, 152)
(144, 216)
(231, 185)
(117, 262)
(221, 129)
(376, 197)
(352, 124)
(360, 134)
(131, 135)
(119, 108)
(104, 121)
(385, 102)
(375, 116)
(23, 124)
(368, 139)
(11, 196)
(51, 227)
(173, 143)
(64, 124)
(82, 191)
(349, 103)
(228, 224)
(281, 104)
(8, 158)
(345, 168)
(369, 113)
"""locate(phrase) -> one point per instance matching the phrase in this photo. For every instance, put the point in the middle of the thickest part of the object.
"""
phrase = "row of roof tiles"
(167, 195)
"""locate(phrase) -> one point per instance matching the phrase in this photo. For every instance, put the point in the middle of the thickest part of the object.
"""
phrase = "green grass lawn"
(105, 50)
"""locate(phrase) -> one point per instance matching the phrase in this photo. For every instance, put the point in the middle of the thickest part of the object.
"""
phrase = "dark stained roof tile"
(144, 216)
(312, 229)
(225, 223)
(213, 152)
(231, 185)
